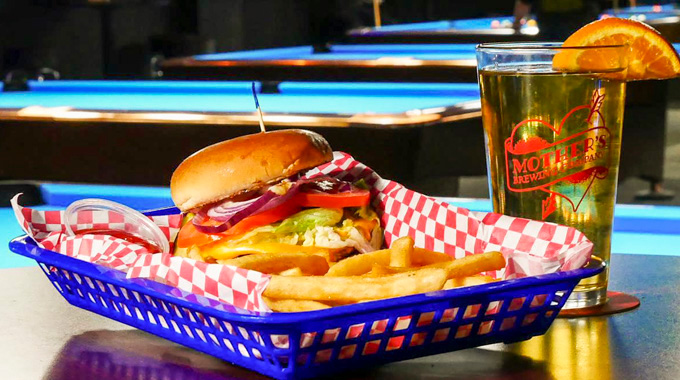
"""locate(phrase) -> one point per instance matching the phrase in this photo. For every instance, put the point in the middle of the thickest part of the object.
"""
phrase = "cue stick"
(376, 13)
(259, 110)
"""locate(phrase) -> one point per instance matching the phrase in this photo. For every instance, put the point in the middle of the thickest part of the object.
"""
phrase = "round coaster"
(617, 302)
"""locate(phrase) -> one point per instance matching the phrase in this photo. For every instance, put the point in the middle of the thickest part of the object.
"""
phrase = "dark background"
(75, 37)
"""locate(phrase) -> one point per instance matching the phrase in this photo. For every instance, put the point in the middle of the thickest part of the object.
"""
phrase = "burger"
(248, 195)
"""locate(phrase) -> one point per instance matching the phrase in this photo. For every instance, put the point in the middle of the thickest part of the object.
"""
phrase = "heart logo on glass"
(539, 157)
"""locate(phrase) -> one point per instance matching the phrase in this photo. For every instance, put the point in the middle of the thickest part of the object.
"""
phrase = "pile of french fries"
(305, 282)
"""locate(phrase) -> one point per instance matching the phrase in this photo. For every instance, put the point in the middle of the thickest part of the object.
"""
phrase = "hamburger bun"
(244, 164)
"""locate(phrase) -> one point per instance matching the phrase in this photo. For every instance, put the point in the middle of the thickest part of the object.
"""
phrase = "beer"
(553, 142)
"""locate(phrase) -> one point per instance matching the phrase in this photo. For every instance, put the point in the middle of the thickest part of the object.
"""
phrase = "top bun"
(244, 164)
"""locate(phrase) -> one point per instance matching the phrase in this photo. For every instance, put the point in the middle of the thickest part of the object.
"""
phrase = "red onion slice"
(230, 213)
(224, 211)
(229, 216)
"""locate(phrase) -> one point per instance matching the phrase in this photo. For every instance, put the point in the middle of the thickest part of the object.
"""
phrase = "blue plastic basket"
(304, 345)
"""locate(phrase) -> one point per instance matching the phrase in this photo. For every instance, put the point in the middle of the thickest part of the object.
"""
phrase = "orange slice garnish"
(648, 55)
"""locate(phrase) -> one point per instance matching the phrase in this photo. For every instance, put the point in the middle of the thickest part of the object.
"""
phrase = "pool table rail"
(410, 118)
(395, 69)
(369, 36)
(442, 31)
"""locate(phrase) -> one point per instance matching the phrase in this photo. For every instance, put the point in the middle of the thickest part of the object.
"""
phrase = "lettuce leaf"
(307, 219)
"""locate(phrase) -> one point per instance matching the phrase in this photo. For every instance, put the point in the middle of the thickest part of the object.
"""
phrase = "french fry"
(364, 263)
(381, 270)
(471, 265)
(458, 282)
(293, 306)
(292, 272)
(354, 289)
(221, 250)
(474, 264)
(337, 254)
(360, 264)
(192, 252)
(181, 252)
(276, 263)
(422, 256)
(400, 252)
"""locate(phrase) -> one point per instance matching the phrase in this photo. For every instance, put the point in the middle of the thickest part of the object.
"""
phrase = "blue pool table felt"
(236, 97)
(653, 230)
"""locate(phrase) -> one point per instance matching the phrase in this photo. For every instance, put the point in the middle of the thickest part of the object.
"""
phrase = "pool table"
(664, 17)
(342, 62)
(651, 12)
(453, 62)
(137, 132)
(646, 101)
(638, 229)
(488, 29)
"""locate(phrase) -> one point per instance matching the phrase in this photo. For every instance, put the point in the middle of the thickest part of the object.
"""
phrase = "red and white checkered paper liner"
(530, 247)
(236, 286)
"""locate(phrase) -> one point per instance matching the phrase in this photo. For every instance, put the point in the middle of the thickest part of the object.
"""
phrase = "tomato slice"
(279, 212)
(189, 235)
(354, 198)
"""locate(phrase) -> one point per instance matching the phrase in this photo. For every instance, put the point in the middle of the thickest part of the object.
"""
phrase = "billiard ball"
(495, 24)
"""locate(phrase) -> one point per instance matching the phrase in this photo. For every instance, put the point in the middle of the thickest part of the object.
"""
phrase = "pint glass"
(553, 139)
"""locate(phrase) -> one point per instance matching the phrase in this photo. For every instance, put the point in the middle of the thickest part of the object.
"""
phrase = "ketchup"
(134, 239)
